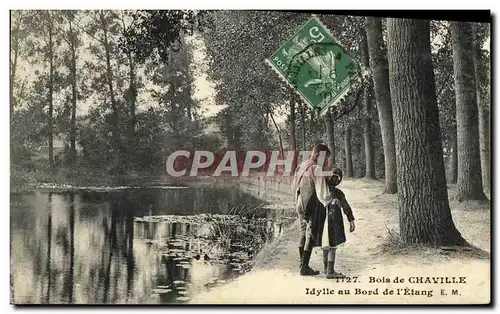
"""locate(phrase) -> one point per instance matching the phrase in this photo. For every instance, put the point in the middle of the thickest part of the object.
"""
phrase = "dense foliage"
(115, 90)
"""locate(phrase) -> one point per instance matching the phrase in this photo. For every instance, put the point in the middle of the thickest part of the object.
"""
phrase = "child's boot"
(325, 260)
(330, 272)
(305, 270)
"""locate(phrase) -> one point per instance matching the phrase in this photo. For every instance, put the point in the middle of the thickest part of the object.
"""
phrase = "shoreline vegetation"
(24, 179)
(27, 180)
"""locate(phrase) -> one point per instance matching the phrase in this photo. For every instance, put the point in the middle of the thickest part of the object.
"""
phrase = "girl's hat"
(336, 178)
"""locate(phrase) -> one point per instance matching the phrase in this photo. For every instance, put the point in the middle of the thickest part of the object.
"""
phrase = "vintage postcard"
(249, 157)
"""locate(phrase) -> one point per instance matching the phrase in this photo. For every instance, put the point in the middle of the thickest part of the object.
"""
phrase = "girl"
(333, 233)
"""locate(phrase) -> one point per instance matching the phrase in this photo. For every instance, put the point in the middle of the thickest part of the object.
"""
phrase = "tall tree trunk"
(367, 123)
(424, 212)
(132, 90)
(380, 69)
(483, 114)
(133, 96)
(330, 136)
(359, 153)
(13, 78)
(469, 181)
(293, 141)
(278, 130)
(13, 64)
(348, 153)
(51, 95)
(188, 88)
(368, 140)
(454, 157)
(132, 99)
(303, 123)
(484, 145)
(73, 97)
(109, 80)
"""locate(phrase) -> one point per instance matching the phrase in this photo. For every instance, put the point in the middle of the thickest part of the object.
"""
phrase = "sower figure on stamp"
(311, 195)
(332, 225)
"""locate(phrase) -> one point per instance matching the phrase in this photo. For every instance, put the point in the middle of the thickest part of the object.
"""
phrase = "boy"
(333, 231)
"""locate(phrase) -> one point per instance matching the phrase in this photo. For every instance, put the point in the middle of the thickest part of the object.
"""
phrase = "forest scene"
(100, 98)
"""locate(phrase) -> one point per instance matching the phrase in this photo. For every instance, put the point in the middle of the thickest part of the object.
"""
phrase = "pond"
(135, 246)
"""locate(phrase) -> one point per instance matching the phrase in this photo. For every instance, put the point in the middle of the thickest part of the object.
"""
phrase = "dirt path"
(275, 278)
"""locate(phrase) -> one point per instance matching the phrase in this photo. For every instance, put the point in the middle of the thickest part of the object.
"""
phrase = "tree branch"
(354, 104)
(87, 32)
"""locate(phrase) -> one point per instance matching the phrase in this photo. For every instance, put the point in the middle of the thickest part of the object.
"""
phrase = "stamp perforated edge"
(287, 82)
(364, 71)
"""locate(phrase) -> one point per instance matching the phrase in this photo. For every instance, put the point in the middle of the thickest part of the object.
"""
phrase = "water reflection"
(89, 247)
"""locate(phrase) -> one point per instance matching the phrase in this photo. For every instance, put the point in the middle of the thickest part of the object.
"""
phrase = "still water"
(138, 246)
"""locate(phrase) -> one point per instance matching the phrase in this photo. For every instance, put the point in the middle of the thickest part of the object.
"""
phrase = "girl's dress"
(330, 233)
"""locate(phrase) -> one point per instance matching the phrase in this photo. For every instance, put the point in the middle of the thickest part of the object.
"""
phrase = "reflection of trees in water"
(49, 247)
(172, 276)
(84, 270)
(88, 249)
(111, 236)
(129, 231)
(69, 285)
(119, 247)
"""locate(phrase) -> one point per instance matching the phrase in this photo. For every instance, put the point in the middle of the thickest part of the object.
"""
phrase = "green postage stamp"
(315, 64)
